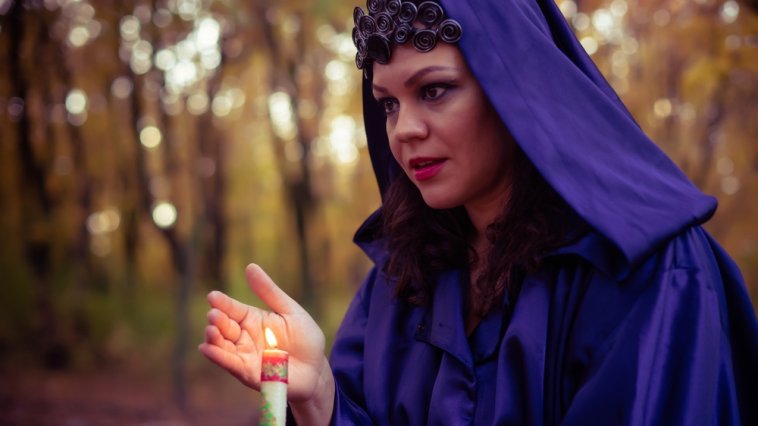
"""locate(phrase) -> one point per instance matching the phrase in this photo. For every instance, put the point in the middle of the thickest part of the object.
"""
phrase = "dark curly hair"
(422, 241)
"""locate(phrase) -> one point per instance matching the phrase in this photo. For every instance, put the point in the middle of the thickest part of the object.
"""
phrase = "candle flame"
(270, 338)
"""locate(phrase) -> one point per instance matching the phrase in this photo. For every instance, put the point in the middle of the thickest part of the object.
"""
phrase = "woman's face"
(443, 130)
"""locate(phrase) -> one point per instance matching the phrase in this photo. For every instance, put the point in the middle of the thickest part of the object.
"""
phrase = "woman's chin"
(439, 203)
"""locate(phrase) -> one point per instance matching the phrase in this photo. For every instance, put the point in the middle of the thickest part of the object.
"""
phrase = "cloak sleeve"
(346, 360)
(669, 346)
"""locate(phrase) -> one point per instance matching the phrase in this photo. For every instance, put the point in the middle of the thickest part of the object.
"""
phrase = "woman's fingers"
(264, 287)
(234, 309)
(228, 328)
(214, 337)
(223, 358)
(273, 296)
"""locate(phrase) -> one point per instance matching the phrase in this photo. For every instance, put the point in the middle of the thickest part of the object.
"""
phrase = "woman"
(538, 259)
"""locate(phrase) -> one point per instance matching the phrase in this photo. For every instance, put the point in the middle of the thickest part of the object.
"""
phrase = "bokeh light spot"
(206, 167)
(221, 106)
(661, 17)
(162, 18)
(143, 12)
(325, 34)
(730, 185)
(78, 36)
(730, 10)
(581, 21)
(122, 87)
(150, 137)
(15, 107)
(590, 44)
(280, 110)
(207, 34)
(341, 137)
(76, 101)
(197, 103)
(568, 8)
(104, 221)
(165, 59)
(602, 20)
(336, 70)
(662, 108)
(725, 166)
(164, 215)
(619, 7)
(5, 5)
(130, 28)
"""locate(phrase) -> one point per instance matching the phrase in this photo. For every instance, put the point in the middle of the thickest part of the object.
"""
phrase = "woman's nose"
(410, 125)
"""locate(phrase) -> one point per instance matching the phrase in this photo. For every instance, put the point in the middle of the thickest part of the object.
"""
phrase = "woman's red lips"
(426, 168)
(421, 162)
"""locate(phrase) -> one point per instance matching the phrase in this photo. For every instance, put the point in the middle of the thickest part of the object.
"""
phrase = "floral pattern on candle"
(274, 367)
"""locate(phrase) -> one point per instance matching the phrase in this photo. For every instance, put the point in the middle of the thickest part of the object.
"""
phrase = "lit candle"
(273, 383)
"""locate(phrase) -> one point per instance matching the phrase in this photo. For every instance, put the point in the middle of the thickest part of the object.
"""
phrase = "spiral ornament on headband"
(394, 22)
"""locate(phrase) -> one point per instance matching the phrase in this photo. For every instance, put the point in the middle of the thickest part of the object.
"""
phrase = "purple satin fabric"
(644, 320)
(578, 349)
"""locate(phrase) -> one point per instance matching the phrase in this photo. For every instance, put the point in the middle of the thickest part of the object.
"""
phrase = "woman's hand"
(234, 340)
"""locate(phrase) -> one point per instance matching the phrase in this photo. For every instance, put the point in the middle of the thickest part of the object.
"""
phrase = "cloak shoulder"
(674, 342)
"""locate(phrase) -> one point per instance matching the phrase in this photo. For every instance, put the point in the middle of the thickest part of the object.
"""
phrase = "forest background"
(150, 149)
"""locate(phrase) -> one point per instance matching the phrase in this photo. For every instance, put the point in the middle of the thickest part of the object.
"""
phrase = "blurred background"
(150, 149)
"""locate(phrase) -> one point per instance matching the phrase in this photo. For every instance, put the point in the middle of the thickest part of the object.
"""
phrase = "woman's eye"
(388, 105)
(434, 91)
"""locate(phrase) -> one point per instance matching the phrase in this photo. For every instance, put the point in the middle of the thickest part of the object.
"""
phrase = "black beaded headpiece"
(398, 22)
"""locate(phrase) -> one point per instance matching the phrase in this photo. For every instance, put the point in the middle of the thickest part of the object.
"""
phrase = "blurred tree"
(37, 204)
(117, 113)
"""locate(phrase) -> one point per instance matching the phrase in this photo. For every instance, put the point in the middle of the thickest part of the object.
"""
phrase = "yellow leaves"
(702, 78)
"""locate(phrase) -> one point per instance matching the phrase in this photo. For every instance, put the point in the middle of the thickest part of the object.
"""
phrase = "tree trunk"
(37, 203)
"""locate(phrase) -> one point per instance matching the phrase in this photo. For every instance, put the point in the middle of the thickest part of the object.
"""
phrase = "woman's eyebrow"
(378, 88)
(413, 79)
